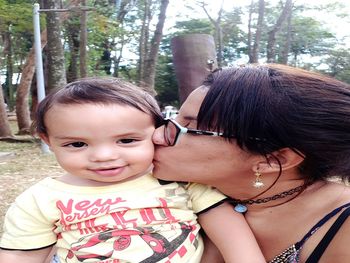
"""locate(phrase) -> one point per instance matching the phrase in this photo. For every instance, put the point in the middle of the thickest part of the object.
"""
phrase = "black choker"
(240, 206)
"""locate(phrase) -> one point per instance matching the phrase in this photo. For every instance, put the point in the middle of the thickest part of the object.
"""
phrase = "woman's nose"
(158, 136)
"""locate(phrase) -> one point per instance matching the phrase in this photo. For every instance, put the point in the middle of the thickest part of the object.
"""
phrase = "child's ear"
(285, 157)
(45, 138)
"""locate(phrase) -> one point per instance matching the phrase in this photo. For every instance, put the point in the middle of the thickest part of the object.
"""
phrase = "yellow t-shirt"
(140, 220)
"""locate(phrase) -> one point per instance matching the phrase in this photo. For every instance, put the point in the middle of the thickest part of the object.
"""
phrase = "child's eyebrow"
(67, 137)
(126, 134)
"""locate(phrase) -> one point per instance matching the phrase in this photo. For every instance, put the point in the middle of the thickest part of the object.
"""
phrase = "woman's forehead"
(190, 108)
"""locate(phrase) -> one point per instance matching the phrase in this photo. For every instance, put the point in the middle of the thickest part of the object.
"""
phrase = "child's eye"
(76, 144)
(126, 141)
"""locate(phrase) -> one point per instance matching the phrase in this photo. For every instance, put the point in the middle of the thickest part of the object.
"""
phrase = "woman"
(279, 144)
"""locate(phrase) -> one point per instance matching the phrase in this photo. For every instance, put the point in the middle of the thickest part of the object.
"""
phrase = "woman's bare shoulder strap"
(326, 240)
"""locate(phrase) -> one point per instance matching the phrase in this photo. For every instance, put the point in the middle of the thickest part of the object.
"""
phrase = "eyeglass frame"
(183, 130)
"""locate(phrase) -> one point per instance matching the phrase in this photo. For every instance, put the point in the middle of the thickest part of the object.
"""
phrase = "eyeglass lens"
(170, 133)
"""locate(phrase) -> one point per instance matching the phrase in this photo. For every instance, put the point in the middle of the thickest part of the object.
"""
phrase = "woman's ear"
(285, 157)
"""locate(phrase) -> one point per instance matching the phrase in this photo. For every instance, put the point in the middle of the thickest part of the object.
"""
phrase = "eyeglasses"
(173, 130)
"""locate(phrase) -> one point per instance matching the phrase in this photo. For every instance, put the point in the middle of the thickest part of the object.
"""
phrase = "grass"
(24, 165)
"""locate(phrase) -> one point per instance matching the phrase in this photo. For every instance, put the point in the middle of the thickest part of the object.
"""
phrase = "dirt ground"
(21, 165)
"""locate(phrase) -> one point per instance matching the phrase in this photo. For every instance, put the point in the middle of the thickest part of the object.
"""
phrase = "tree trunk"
(143, 43)
(271, 49)
(9, 68)
(287, 44)
(22, 98)
(83, 42)
(218, 30)
(22, 106)
(117, 58)
(5, 130)
(259, 28)
(249, 37)
(124, 7)
(220, 56)
(55, 55)
(72, 29)
(150, 70)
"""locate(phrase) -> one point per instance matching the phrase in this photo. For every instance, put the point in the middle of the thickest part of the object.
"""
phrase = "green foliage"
(16, 18)
(310, 37)
(17, 14)
(166, 85)
(233, 36)
(109, 30)
(193, 26)
(338, 64)
(16, 27)
(107, 33)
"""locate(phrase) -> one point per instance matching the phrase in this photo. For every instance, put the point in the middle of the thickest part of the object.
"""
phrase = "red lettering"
(88, 226)
(121, 221)
(147, 215)
(86, 208)
(167, 211)
(163, 214)
(65, 209)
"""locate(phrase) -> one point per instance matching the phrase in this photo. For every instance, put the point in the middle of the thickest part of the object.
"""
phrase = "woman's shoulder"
(334, 245)
(308, 213)
(338, 191)
(327, 240)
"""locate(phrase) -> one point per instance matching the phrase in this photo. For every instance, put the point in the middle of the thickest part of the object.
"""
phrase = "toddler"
(107, 207)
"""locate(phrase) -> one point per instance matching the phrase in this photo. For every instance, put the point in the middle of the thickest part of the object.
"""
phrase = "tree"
(8, 52)
(288, 39)
(250, 34)
(149, 56)
(5, 130)
(110, 29)
(114, 35)
(14, 32)
(143, 41)
(338, 62)
(233, 36)
(166, 84)
(218, 29)
(22, 98)
(55, 55)
(125, 35)
(286, 12)
(254, 55)
(71, 29)
(83, 42)
(193, 26)
(310, 38)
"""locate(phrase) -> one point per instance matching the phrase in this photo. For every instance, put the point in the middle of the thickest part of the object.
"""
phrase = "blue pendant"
(240, 208)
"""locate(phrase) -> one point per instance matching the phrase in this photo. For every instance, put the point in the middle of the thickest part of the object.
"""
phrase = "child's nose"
(104, 153)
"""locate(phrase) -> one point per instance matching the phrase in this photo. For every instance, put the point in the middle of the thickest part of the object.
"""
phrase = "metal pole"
(39, 63)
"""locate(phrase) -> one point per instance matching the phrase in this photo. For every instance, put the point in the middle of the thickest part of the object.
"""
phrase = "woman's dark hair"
(103, 91)
(270, 107)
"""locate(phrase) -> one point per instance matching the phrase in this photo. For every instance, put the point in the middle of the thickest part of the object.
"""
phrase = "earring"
(258, 183)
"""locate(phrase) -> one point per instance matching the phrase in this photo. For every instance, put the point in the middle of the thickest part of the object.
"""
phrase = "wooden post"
(194, 56)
